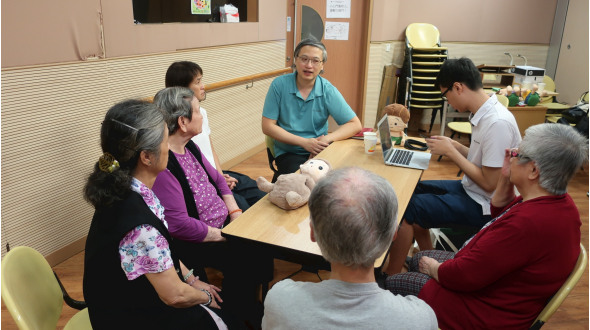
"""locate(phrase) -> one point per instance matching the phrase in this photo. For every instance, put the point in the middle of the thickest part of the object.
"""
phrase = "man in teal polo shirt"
(297, 107)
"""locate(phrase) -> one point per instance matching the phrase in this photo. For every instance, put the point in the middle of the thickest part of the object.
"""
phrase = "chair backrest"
(29, 289)
(550, 87)
(270, 144)
(422, 35)
(503, 100)
(565, 289)
(80, 321)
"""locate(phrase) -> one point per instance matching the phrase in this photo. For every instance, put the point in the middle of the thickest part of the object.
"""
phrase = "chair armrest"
(75, 304)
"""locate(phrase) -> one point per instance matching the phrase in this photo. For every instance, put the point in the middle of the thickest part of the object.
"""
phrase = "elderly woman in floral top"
(198, 203)
(132, 279)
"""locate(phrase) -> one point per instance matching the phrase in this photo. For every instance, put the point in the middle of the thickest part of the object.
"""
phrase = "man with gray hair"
(353, 218)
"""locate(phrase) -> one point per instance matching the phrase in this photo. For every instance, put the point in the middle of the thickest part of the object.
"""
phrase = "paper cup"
(370, 144)
(541, 88)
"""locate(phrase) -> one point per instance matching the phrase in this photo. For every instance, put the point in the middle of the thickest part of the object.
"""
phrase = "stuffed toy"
(398, 117)
(514, 95)
(291, 191)
(533, 98)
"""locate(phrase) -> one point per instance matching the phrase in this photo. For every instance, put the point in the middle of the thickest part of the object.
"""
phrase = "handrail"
(226, 83)
(230, 82)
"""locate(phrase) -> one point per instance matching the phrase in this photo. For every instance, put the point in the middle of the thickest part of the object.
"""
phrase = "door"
(571, 75)
(345, 67)
(290, 33)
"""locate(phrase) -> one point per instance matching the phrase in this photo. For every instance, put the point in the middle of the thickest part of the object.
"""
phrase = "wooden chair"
(33, 294)
(563, 292)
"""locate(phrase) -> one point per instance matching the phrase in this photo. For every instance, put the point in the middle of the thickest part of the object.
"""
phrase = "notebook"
(400, 157)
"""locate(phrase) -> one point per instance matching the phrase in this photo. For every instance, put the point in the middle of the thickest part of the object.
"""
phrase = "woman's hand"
(231, 182)
(314, 145)
(214, 235)
(505, 173)
(234, 216)
(429, 266)
(212, 289)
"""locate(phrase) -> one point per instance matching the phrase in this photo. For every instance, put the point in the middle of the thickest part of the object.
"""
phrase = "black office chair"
(270, 151)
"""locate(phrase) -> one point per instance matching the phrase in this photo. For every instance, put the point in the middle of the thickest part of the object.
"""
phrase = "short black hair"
(460, 70)
(181, 74)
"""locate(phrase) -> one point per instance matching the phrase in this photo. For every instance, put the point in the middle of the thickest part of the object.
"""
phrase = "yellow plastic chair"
(547, 101)
(564, 291)
(32, 293)
(270, 151)
(503, 100)
(423, 36)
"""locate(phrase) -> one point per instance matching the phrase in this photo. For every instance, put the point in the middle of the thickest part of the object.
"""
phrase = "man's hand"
(212, 289)
(231, 182)
(314, 145)
(440, 145)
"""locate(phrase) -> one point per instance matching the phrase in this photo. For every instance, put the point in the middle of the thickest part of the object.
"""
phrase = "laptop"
(400, 157)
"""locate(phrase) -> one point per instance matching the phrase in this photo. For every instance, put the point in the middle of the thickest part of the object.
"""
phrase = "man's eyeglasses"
(305, 60)
(448, 89)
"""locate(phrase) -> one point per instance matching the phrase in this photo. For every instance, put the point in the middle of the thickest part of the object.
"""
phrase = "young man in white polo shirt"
(465, 203)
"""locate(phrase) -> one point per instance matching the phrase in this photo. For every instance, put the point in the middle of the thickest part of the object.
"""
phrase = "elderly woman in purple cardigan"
(198, 203)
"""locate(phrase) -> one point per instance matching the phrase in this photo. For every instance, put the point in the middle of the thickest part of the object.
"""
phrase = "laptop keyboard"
(401, 157)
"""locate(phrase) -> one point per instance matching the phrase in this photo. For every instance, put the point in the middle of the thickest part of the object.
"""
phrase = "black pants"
(246, 192)
(288, 163)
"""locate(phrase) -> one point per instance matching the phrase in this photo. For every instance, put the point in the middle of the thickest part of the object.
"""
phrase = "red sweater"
(504, 277)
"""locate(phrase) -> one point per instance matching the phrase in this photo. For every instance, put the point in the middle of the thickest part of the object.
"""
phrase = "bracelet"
(190, 272)
(193, 281)
(234, 211)
(209, 295)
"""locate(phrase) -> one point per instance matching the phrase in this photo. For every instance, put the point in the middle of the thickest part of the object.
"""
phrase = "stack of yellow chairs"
(423, 58)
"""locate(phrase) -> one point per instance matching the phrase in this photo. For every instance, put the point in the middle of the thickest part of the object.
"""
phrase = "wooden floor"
(573, 313)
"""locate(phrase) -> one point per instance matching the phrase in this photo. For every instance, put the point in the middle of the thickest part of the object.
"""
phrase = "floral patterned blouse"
(144, 250)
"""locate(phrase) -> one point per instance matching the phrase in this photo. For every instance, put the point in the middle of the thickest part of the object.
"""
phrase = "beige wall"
(70, 30)
(524, 21)
(571, 76)
(45, 160)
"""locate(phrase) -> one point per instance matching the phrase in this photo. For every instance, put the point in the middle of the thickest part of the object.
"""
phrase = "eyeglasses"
(514, 153)
(448, 89)
(305, 60)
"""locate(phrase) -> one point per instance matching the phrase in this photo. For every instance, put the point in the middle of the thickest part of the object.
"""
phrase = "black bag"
(582, 126)
(574, 114)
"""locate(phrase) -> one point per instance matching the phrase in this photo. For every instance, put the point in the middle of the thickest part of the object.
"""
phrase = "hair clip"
(118, 122)
(107, 163)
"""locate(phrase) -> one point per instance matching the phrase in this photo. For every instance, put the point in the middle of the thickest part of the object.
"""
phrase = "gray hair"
(353, 214)
(176, 103)
(558, 151)
(130, 127)
(310, 42)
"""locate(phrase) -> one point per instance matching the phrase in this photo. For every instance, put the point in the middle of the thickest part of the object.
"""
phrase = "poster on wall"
(201, 7)
(336, 31)
(337, 8)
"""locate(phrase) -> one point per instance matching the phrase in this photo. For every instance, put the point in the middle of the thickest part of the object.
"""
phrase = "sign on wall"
(337, 8)
(201, 7)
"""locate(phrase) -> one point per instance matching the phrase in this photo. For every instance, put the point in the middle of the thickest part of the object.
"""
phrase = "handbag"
(575, 114)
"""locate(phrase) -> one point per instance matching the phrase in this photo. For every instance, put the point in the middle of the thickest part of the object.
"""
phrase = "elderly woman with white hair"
(353, 218)
(504, 275)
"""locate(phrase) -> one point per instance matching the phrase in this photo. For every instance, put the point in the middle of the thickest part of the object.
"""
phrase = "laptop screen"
(385, 136)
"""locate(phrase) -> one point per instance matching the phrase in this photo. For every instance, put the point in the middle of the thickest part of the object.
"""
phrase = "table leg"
(443, 123)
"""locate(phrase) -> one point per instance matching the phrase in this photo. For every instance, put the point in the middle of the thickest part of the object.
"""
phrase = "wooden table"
(528, 116)
(288, 232)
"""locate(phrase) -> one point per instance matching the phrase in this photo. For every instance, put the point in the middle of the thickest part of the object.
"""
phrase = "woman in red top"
(503, 276)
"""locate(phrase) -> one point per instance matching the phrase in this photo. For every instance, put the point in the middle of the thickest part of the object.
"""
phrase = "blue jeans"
(444, 204)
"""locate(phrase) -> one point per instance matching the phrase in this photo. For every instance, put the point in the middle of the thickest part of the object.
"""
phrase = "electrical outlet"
(388, 47)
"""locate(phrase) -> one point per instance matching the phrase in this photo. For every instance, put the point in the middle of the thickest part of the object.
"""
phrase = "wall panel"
(51, 119)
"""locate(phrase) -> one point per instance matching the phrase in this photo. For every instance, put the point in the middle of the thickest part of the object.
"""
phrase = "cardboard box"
(533, 74)
(388, 89)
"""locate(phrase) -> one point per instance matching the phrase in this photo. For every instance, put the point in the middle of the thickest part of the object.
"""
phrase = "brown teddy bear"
(291, 191)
